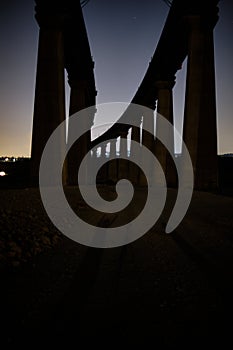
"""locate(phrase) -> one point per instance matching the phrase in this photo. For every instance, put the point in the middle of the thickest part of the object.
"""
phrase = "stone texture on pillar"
(165, 108)
(49, 104)
(200, 133)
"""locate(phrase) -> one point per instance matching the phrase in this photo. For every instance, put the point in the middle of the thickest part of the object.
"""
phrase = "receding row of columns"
(114, 170)
(199, 131)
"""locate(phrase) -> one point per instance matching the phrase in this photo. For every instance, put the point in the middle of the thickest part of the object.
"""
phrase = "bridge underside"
(63, 43)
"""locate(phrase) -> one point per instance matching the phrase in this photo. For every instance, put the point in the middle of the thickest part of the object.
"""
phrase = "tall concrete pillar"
(79, 66)
(123, 163)
(200, 132)
(165, 108)
(49, 103)
(112, 164)
(133, 168)
(78, 102)
(148, 140)
(103, 172)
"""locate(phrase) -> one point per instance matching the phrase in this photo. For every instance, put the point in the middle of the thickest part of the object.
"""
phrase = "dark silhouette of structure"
(188, 32)
(63, 44)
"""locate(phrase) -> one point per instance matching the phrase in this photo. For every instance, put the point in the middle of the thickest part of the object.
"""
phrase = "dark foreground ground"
(167, 290)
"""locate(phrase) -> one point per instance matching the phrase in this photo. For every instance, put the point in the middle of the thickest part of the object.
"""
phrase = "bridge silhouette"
(63, 44)
(161, 289)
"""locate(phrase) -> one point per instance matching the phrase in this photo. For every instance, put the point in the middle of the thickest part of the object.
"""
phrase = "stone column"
(165, 108)
(93, 163)
(123, 163)
(49, 103)
(78, 102)
(148, 140)
(112, 165)
(133, 168)
(200, 132)
(79, 66)
(103, 172)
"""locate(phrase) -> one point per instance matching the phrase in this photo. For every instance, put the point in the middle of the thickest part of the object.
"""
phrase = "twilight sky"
(123, 36)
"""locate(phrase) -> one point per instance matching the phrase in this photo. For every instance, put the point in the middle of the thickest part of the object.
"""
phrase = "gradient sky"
(123, 36)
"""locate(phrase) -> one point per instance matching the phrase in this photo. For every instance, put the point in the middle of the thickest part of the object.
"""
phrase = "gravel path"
(174, 290)
(25, 228)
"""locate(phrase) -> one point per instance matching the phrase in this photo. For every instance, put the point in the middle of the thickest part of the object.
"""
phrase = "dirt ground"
(173, 290)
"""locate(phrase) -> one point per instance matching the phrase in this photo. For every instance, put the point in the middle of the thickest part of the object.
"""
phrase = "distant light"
(2, 173)
(6, 159)
(14, 159)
